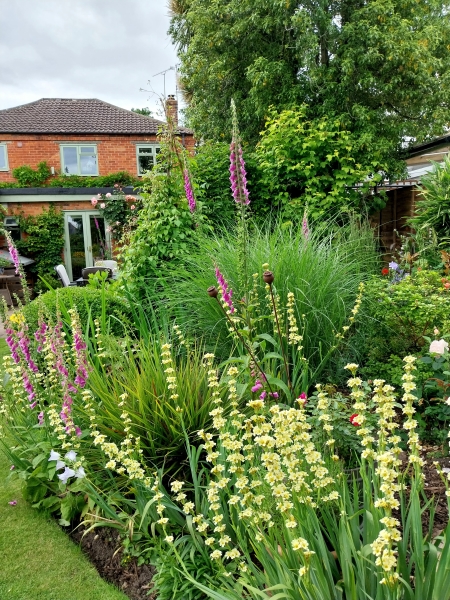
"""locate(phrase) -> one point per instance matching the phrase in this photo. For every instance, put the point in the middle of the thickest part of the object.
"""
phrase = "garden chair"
(62, 274)
(91, 270)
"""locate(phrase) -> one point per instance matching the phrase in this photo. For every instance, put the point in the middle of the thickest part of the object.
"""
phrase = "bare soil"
(103, 548)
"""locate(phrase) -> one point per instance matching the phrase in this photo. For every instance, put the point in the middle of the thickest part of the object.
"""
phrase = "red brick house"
(85, 137)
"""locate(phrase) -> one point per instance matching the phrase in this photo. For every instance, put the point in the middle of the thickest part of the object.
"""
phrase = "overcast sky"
(105, 49)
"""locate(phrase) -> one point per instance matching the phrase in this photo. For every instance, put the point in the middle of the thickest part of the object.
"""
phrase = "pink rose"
(102, 205)
(94, 201)
(108, 195)
(116, 185)
(132, 207)
(438, 347)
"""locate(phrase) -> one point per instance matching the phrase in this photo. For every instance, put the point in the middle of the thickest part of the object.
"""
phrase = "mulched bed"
(434, 486)
(103, 549)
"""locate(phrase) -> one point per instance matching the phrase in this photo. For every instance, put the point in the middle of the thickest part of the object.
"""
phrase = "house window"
(3, 158)
(79, 160)
(146, 157)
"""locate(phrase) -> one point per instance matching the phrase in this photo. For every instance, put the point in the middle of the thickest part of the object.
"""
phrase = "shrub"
(396, 316)
(89, 302)
(312, 163)
(121, 178)
(28, 177)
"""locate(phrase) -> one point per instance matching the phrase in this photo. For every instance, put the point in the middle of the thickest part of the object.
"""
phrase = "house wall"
(115, 152)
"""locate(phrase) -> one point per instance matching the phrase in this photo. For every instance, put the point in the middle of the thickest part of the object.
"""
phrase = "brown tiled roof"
(72, 115)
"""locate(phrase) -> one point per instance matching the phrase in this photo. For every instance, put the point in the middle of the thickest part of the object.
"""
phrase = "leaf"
(269, 338)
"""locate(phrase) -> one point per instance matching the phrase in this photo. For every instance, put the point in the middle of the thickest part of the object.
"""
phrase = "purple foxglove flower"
(238, 175)
(225, 291)
(78, 431)
(41, 417)
(274, 395)
(257, 386)
(189, 191)
(54, 455)
(305, 227)
(12, 503)
(66, 475)
(263, 396)
(33, 406)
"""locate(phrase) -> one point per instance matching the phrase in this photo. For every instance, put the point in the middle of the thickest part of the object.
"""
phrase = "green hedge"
(88, 301)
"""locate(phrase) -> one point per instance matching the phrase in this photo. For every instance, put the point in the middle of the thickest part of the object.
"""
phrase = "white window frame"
(78, 146)
(85, 215)
(145, 145)
(6, 167)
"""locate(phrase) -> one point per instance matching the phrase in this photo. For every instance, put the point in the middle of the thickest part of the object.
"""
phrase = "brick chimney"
(172, 108)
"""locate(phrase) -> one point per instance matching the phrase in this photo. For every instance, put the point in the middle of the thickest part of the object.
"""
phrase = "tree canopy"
(381, 66)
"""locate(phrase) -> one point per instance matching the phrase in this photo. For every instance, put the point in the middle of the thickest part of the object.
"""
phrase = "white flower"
(54, 455)
(438, 346)
(71, 455)
(80, 473)
(60, 465)
(67, 473)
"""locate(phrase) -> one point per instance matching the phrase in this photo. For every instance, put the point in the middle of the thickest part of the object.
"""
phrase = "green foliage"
(121, 178)
(398, 316)
(7, 184)
(23, 530)
(432, 211)
(28, 177)
(209, 168)
(313, 163)
(43, 242)
(165, 228)
(323, 272)
(5, 263)
(89, 302)
(146, 112)
(138, 370)
(383, 64)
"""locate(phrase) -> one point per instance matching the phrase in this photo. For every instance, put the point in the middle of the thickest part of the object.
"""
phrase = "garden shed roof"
(76, 115)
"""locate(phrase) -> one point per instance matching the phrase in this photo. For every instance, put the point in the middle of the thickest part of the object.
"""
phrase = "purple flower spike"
(189, 191)
(225, 290)
(305, 227)
(41, 417)
(257, 386)
(238, 174)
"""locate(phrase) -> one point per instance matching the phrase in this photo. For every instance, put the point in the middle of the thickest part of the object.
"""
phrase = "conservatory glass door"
(86, 241)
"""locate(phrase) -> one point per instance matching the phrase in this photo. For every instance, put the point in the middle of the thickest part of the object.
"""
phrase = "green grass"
(38, 561)
(4, 350)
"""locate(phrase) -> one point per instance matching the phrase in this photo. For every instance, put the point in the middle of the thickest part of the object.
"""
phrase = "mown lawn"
(37, 560)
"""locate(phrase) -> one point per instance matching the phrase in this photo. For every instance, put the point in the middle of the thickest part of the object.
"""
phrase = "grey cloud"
(106, 49)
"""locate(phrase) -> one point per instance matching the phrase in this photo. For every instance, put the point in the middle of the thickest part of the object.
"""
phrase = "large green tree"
(382, 66)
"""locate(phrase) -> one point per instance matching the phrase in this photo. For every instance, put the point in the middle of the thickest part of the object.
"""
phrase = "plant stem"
(245, 345)
(286, 365)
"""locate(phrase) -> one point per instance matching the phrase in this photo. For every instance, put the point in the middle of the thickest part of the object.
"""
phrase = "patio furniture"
(5, 292)
(62, 274)
(90, 271)
(111, 264)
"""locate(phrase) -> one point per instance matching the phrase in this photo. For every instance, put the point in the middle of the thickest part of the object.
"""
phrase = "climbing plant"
(43, 241)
